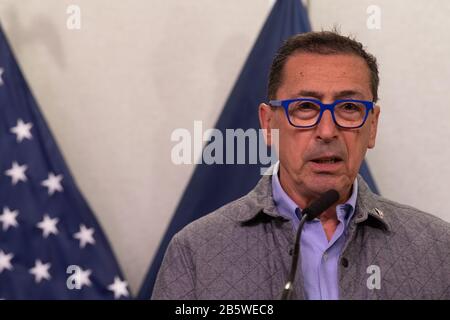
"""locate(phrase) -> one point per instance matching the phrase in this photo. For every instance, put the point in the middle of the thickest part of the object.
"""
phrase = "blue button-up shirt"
(319, 256)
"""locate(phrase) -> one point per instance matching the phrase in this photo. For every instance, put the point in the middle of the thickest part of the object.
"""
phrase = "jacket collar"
(260, 199)
(368, 207)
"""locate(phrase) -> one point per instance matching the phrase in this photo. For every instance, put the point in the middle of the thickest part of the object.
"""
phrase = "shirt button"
(325, 256)
(344, 262)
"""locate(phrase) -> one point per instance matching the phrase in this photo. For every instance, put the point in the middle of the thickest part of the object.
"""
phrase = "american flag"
(51, 246)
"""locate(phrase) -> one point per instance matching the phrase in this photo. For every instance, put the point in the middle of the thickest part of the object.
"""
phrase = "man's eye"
(305, 106)
(349, 107)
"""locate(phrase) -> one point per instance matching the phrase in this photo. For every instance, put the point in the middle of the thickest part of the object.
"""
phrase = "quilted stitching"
(220, 256)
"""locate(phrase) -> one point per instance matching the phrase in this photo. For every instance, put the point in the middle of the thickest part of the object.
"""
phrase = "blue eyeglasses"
(306, 112)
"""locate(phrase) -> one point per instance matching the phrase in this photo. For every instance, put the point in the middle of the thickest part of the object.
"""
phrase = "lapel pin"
(379, 212)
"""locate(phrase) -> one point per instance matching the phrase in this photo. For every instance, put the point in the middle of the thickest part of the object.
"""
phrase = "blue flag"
(213, 185)
(51, 246)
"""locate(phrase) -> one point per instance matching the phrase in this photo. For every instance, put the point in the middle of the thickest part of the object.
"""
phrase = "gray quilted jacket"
(242, 251)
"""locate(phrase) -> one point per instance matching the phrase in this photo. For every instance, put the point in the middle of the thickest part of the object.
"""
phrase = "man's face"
(303, 152)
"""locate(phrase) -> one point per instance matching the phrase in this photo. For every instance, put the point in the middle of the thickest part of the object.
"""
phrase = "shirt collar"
(287, 207)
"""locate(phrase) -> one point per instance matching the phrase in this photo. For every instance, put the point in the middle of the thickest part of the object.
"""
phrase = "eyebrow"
(340, 95)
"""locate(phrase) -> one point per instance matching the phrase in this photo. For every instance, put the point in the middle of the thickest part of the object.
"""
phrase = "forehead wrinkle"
(325, 77)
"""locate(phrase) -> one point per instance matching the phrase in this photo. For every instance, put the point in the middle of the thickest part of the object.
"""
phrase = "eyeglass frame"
(323, 107)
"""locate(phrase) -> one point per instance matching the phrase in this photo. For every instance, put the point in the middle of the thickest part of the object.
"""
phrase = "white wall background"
(113, 92)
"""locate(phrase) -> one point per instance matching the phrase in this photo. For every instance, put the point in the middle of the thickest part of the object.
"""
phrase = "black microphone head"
(325, 201)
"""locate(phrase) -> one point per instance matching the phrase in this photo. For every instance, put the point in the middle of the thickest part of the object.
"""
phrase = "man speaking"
(322, 94)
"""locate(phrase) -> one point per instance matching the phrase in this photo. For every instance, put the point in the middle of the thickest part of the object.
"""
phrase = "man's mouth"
(327, 160)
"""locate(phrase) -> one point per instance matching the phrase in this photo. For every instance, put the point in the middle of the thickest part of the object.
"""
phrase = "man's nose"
(326, 129)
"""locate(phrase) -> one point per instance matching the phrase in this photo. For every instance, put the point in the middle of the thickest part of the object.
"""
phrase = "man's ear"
(373, 126)
(266, 115)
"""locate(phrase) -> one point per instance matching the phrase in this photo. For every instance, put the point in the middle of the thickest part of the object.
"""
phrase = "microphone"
(325, 201)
